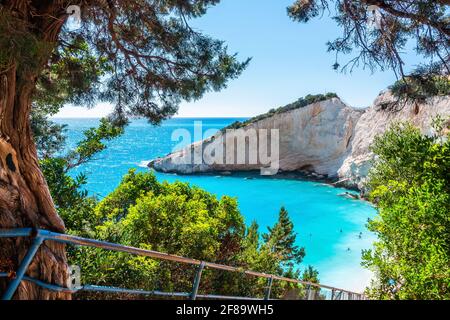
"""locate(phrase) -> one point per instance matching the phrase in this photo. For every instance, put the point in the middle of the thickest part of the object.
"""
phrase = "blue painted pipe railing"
(39, 236)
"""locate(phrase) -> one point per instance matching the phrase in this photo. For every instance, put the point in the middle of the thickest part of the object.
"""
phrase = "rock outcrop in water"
(327, 139)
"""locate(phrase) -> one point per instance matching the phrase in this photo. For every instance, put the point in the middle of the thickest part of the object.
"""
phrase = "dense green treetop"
(410, 183)
(281, 239)
(181, 219)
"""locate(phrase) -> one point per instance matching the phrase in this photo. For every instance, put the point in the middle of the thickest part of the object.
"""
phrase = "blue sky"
(289, 60)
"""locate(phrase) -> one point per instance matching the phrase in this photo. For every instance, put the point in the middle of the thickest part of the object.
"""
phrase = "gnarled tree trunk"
(25, 199)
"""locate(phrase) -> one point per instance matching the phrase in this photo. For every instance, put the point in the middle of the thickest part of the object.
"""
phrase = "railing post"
(22, 268)
(332, 294)
(308, 292)
(198, 277)
(268, 288)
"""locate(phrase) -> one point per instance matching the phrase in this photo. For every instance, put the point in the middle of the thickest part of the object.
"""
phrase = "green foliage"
(404, 154)
(140, 56)
(377, 33)
(410, 184)
(64, 189)
(175, 218)
(300, 103)
(93, 142)
(421, 84)
(133, 186)
(20, 48)
(310, 275)
(72, 202)
(74, 77)
(184, 220)
(281, 239)
(48, 136)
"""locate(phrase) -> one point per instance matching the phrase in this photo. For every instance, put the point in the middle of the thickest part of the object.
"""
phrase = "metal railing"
(39, 236)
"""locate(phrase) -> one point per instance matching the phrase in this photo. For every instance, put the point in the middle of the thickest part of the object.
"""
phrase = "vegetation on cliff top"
(300, 103)
(421, 84)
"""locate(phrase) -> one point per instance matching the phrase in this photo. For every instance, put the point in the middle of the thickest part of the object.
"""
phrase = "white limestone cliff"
(375, 120)
(327, 138)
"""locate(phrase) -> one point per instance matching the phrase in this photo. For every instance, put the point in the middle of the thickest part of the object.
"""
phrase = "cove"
(327, 225)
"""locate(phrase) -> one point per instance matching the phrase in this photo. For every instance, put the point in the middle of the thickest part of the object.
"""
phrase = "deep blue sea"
(327, 225)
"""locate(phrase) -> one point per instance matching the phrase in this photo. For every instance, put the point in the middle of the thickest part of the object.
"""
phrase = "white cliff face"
(375, 120)
(328, 138)
(314, 138)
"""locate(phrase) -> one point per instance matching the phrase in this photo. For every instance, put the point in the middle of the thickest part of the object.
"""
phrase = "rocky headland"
(325, 139)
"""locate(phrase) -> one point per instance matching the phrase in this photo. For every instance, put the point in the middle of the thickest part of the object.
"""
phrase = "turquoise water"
(327, 224)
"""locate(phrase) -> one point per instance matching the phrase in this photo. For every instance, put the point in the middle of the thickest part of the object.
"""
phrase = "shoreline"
(319, 211)
(282, 175)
